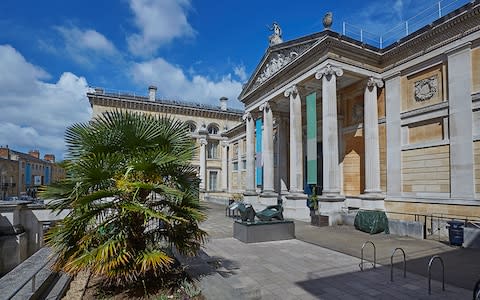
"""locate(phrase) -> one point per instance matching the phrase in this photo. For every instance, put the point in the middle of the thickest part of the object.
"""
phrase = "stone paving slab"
(279, 272)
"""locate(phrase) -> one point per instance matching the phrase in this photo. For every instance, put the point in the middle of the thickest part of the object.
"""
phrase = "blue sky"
(192, 50)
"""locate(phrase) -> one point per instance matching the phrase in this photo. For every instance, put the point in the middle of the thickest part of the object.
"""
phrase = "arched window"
(192, 126)
(212, 129)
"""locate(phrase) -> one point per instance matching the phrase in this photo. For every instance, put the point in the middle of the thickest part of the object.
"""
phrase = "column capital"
(224, 143)
(247, 116)
(373, 81)
(291, 91)
(329, 70)
(203, 141)
(265, 106)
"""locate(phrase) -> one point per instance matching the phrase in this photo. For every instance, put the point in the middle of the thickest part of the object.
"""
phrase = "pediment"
(274, 61)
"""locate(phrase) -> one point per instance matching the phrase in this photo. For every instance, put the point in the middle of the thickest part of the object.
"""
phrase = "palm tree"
(133, 196)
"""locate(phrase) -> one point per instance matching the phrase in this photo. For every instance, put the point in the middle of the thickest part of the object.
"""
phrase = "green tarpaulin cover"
(371, 221)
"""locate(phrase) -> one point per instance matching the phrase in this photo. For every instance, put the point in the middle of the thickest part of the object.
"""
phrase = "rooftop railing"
(403, 29)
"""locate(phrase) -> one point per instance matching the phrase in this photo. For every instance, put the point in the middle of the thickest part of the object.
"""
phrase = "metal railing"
(476, 291)
(404, 263)
(430, 273)
(404, 28)
(374, 255)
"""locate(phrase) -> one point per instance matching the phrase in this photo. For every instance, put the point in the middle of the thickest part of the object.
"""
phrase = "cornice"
(125, 103)
(327, 44)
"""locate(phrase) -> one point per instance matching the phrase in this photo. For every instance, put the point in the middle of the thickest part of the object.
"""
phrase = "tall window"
(212, 180)
(191, 125)
(212, 129)
(212, 149)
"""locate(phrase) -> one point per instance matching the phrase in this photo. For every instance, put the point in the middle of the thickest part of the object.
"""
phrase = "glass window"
(244, 164)
(212, 180)
(212, 129)
(212, 149)
(235, 165)
(191, 125)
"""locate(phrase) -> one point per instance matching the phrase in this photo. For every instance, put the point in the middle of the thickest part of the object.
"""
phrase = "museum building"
(394, 128)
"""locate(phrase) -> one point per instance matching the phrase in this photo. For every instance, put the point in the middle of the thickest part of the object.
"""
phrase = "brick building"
(23, 173)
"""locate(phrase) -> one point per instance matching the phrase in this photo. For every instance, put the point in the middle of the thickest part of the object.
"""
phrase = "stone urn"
(328, 20)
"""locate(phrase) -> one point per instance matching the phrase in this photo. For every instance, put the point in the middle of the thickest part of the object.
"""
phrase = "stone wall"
(431, 208)
(476, 153)
(354, 163)
(476, 70)
(426, 170)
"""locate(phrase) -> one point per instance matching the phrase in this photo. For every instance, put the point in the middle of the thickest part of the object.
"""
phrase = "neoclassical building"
(207, 126)
(396, 128)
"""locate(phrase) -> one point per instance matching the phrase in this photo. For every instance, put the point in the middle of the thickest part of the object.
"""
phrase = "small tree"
(133, 196)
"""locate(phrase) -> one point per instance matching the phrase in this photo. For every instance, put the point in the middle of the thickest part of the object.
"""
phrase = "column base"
(268, 194)
(331, 205)
(250, 193)
(295, 206)
(373, 201)
(296, 195)
(265, 199)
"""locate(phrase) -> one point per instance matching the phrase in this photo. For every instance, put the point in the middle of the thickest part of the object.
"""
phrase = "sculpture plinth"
(259, 231)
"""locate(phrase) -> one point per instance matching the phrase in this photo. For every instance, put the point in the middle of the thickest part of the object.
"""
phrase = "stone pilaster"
(224, 165)
(203, 163)
(267, 149)
(296, 143)
(393, 102)
(372, 147)
(250, 155)
(331, 167)
(462, 180)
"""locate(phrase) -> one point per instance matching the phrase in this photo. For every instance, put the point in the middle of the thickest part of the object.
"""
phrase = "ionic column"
(250, 138)
(224, 165)
(331, 168)
(296, 144)
(370, 131)
(203, 163)
(267, 148)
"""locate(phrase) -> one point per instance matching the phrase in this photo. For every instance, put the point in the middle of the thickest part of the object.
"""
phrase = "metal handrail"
(404, 264)
(430, 273)
(31, 278)
(374, 254)
(476, 291)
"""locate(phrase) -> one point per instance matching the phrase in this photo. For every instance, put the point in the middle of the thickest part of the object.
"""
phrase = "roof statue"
(328, 20)
(276, 37)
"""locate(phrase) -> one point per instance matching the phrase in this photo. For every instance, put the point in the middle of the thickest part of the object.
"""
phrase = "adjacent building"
(23, 173)
(207, 124)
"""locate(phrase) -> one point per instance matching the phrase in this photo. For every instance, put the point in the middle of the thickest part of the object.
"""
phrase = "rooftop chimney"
(34, 153)
(223, 103)
(49, 158)
(152, 93)
(4, 152)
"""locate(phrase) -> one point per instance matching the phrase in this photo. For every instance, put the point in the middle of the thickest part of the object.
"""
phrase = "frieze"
(426, 89)
(279, 60)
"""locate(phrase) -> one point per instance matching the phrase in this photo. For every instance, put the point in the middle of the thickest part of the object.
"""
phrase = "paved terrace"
(323, 263)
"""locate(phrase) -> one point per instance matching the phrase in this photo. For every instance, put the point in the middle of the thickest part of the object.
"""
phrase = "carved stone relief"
(278, 60)
(426, 89)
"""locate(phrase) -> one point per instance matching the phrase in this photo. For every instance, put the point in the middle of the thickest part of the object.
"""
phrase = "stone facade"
(22, 173)
(397, 128)
(214, 158)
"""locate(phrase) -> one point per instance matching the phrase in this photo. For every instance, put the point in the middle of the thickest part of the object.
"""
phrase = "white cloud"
(159, 23)
(36, 113)
(86, 46)
(240, 72)
(174, 84)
